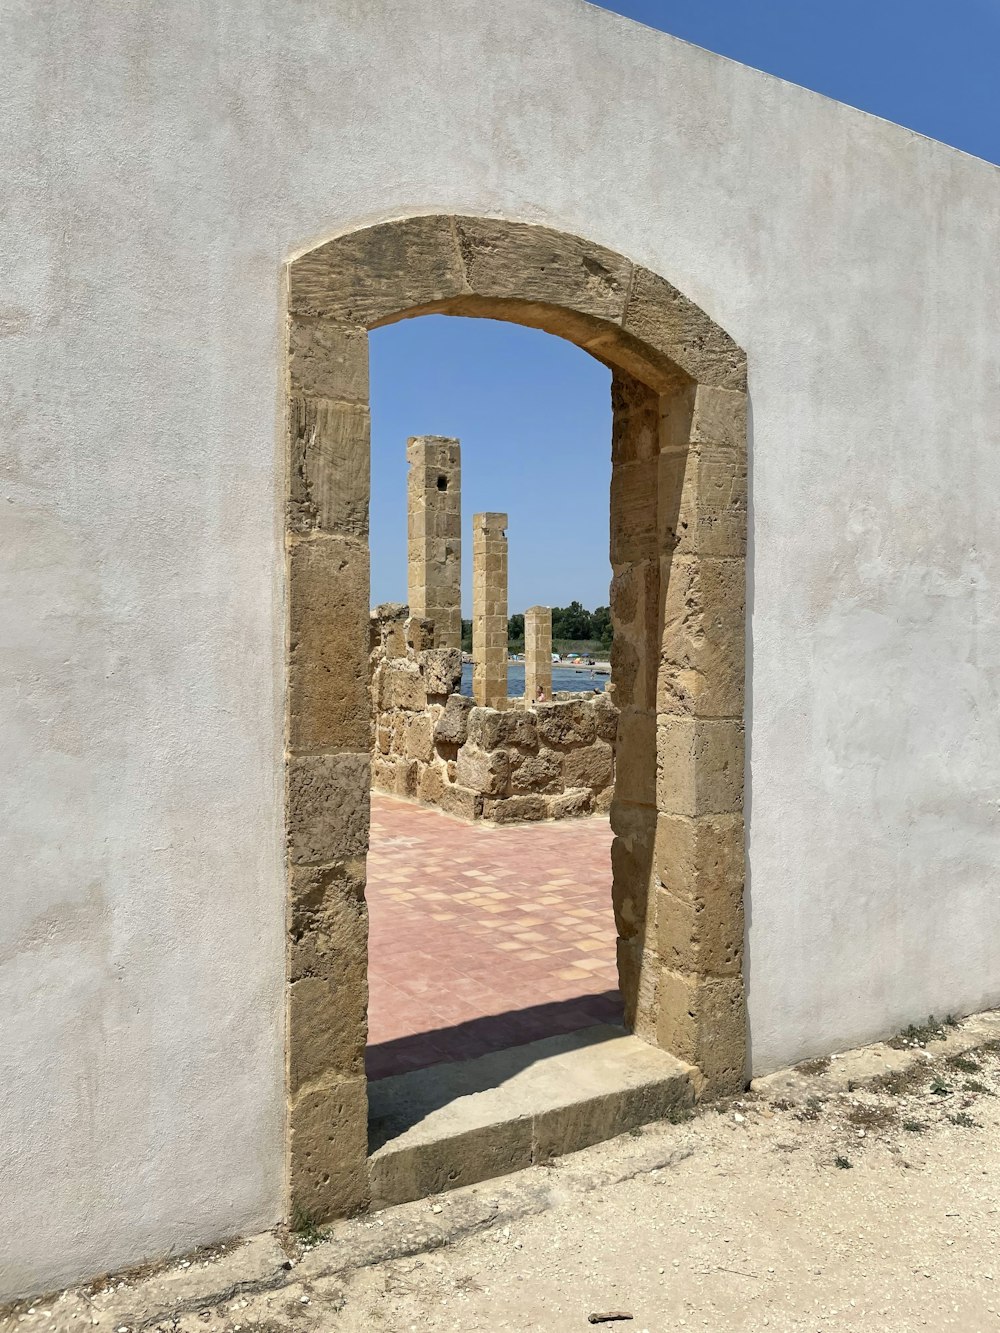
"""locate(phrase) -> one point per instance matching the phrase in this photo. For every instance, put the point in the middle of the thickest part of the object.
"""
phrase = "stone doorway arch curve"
(678, 544)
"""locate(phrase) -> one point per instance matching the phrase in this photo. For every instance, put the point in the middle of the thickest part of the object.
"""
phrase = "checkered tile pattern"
(483, 937)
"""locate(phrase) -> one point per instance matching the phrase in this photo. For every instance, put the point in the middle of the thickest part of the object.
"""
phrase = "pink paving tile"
(501, 936)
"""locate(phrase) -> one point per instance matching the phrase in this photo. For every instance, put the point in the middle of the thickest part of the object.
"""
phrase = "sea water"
(563, 678)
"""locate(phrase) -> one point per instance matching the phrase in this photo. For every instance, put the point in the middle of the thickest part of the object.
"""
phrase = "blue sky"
(533, 412)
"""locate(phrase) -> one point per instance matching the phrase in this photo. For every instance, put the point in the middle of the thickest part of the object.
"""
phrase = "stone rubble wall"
(432, 744)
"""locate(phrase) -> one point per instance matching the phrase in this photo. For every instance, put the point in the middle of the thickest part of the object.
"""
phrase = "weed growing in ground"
(872, 1117)
(819, 1066)
(306, 1231)
(939, 1087)
(898, 1082)
(964, 1064)
(914, 1126)
(919, 1034)
(964, 1120)
(843, 1163)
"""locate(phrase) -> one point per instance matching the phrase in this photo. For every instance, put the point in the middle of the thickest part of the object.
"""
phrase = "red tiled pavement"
(482, 937)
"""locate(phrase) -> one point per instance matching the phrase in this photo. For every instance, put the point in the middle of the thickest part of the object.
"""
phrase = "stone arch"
(678, 541)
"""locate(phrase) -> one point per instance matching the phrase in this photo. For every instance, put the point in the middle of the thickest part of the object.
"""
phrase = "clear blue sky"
(532, 412)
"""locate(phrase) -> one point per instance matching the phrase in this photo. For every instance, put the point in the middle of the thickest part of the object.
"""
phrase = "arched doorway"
(678, 541)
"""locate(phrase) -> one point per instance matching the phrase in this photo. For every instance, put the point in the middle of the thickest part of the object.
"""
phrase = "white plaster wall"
(162, 158)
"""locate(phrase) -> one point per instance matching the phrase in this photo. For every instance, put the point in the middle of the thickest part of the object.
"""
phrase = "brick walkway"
(482, 937)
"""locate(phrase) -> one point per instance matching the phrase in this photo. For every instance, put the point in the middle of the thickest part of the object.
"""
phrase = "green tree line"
(572, 624)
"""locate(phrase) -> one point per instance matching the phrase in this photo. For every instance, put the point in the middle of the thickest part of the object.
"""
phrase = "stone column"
(434, 504)
(537, 652)
(489, 610)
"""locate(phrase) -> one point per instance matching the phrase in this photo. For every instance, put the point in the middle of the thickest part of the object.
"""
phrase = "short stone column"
(434, 517)
(489, 610)
(537, 653)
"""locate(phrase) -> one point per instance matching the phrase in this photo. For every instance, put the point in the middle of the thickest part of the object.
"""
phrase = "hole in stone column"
(442, 483)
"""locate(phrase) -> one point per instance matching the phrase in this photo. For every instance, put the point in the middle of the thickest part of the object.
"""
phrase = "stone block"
(603, 800)
(570, 804)
(538, 772)
(634, 597)
(533, 264)
(698, 859)
(407, 776)
(590, 766)
(329, 463)
(703, 934)
(699, 766)
(328, 807)
(491, 729)
(483, 771)
(383, 774)
(328, 1150)
(635, 757)
(635, 428)
(442, 670)
(606, 717)
(515, 809)
(702, 656)
(419, 633)
(703, 1020)
(327, 360)
(402, 686)
(703, 501)
(720, 417)
(452, 727)
(368, 276)
(419, 742)
(327, 920)
(328, 1026)
(564, 724)
(432, 782)
(634, 534)
(328, 701)
(638, 978)
(661, 316)
(462, 802)
(633, 894)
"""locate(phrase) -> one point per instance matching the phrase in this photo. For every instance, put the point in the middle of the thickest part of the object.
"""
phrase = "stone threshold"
(450, 1125)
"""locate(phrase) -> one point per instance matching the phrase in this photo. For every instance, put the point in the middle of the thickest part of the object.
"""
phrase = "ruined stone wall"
(432, 744)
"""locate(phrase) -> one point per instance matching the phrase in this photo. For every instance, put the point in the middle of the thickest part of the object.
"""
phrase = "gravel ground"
(817, 1201)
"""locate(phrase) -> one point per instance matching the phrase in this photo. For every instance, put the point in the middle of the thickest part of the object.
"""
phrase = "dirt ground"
(818, 1201)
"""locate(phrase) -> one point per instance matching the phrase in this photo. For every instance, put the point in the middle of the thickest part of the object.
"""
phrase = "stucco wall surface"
(161, 162)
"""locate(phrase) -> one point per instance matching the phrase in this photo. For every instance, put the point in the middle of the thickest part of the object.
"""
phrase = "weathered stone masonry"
(489, 609)
(434, 539)
(678, 501)
(537, 652)
(546, 761)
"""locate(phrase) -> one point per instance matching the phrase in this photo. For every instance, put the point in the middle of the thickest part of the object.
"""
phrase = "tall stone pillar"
(537, 652)
(434, 504)
(489, 610)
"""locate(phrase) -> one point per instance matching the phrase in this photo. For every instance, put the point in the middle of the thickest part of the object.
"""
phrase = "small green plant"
(964, 1120)
(898, 1082)
(939, 1087)
(842, 1164)
(819, 1066)
(914, 1126)
(964, 1064)
(306, 1230)
(918, 1034)
(872, 1117)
